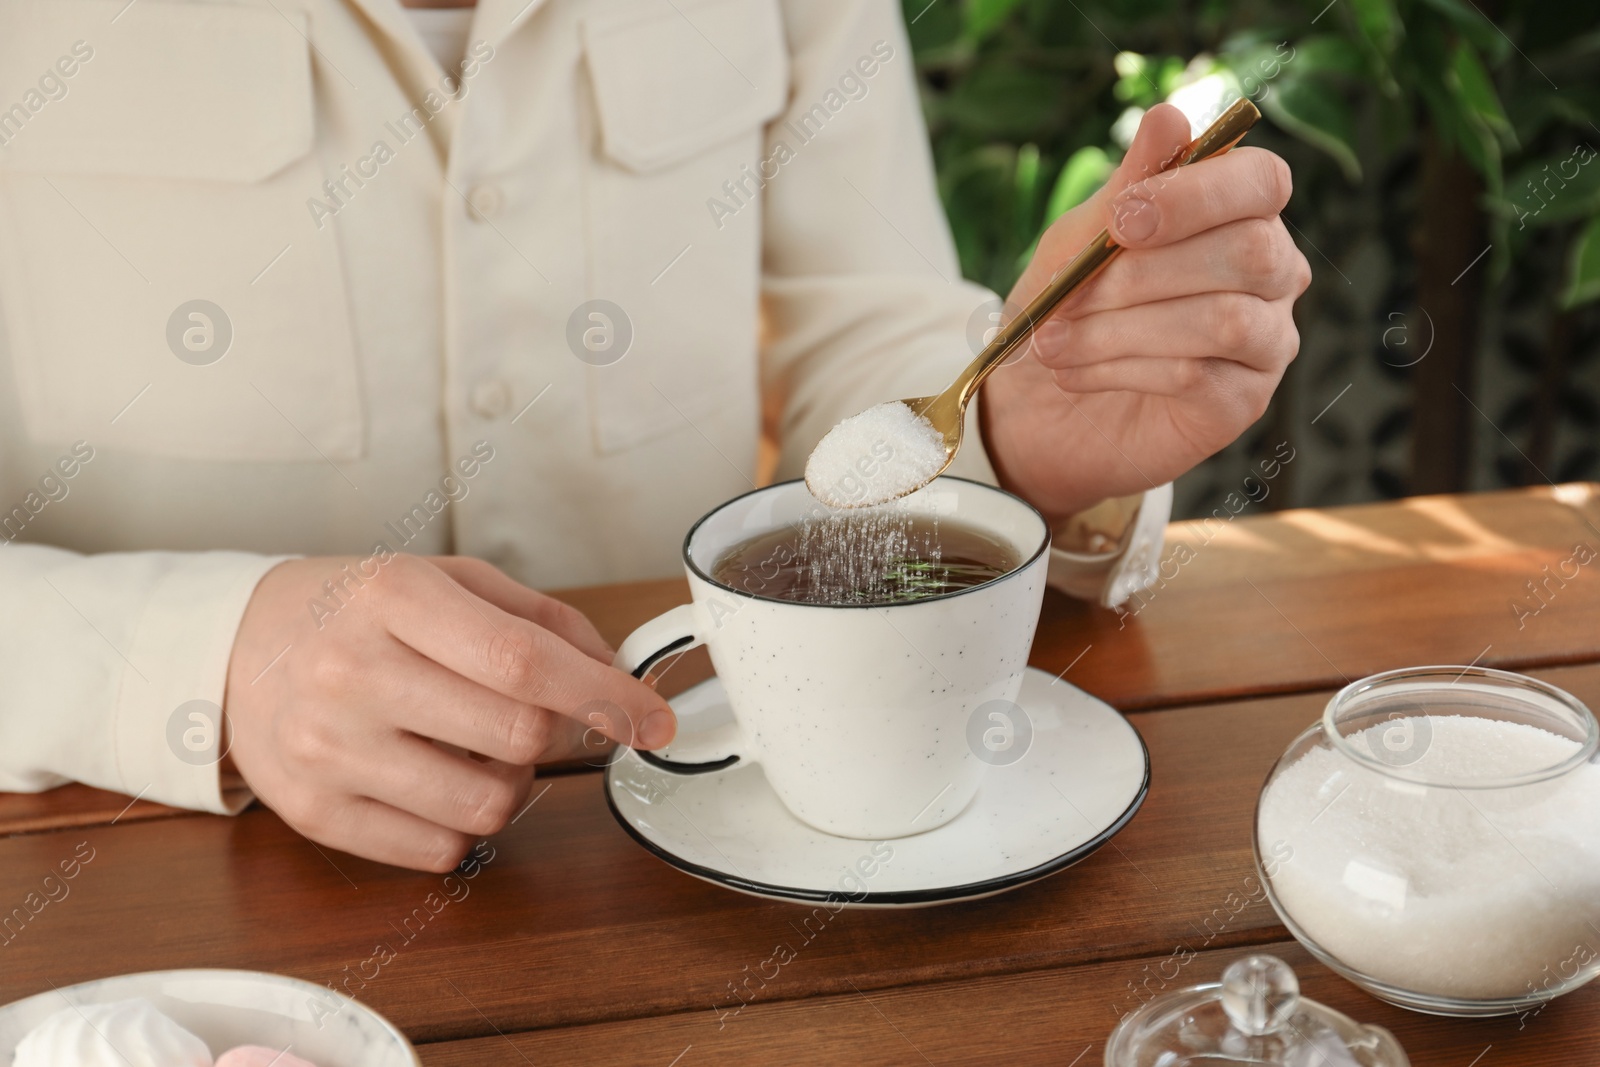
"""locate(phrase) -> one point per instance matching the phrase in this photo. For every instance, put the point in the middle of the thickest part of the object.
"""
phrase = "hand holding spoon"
(897, 448)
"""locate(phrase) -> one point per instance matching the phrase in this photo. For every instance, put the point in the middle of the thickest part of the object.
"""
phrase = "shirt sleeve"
(98, 654)
(862, 295)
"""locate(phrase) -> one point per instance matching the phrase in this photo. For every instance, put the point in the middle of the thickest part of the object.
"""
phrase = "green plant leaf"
(1170, 74)
(1307, 109)
(1145, 81)
(1378, 34)
(1580, 105)
(1027, 172)
(986, 16)
(1553, 190)
(1479, 144)
(1455, 121)
(1001, 99)
(1474, 26)
(1380, 24)
(1474, 89)
(1583, 268)
(932, 26)
(1328, 52)
(1026, 178)
(1086, 170)
(1258, 64)
(1533, 108)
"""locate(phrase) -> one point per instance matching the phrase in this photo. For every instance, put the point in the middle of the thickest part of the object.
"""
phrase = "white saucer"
(1084, 774)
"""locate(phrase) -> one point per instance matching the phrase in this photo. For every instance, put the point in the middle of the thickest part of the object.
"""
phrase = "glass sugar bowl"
(1255, 1015)
(1435, 839)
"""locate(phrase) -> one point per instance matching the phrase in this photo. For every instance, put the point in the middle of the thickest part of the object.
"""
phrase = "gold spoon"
(945, 411)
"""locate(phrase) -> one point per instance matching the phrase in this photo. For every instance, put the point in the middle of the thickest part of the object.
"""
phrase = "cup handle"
(701, 753)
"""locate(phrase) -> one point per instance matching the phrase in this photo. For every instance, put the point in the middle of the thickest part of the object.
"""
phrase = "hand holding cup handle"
(669, 634)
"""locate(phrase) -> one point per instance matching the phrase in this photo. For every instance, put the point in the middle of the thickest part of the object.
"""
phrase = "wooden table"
(575, 946)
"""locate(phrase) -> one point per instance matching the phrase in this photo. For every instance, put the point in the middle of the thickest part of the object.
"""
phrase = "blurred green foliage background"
(1422, 133)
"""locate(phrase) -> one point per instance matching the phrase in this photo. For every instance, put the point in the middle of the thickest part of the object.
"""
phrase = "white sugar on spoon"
(885, 452)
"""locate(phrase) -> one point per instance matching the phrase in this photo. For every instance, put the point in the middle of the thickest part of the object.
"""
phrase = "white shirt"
(444, 30)
(272, 282)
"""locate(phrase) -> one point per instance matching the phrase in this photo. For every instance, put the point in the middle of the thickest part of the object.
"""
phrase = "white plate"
(1084, 774)
(226, 1009)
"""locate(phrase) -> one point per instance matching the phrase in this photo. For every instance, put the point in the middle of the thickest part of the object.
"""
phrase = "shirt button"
(490, 398)
(484, 202)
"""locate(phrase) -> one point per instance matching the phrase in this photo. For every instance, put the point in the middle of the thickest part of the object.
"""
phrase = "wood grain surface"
(73, 805)
(1060, 1016)
(581, 947)
(568, 922)
(1308, 599)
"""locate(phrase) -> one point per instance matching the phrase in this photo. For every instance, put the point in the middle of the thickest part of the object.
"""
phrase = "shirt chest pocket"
(161, 289)
(681, 93)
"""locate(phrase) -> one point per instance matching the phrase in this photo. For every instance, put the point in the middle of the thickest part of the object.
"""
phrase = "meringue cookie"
(122, 1033)
(257, 1056)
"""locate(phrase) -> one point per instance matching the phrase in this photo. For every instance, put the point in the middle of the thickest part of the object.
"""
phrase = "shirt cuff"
(1104, 554)
(184, 641)
(1113, 550)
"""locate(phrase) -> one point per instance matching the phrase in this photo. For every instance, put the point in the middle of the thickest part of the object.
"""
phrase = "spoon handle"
(1217, 138)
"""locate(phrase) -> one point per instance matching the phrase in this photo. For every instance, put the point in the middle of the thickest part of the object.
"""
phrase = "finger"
(429, 611)
(1231, 392)
(500, 589)
(1255, 256)
(435, 703)
(1167, 207)
(1232, 326)
(376, 831)
(574, 740)
(1155, 375)
(570, 742)
(1163, 131)
(413, 775)
(420, 696)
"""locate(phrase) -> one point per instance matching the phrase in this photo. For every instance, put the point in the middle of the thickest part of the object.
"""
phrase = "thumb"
(1162, 131)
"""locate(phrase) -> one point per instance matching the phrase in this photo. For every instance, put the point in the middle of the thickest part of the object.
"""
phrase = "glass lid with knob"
(1255, 1015)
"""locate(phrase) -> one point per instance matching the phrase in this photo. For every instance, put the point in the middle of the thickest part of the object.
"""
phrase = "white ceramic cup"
(858, 715)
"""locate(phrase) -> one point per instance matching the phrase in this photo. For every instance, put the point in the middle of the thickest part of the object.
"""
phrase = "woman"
(399, 293)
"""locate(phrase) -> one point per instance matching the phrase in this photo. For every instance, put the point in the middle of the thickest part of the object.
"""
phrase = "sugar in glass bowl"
(1436, 839)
